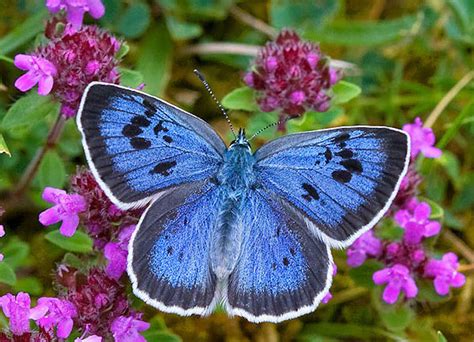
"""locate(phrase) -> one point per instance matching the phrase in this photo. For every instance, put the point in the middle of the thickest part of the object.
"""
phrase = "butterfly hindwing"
(283, 270)
(138, 145)
(169, 251)
(342, 180)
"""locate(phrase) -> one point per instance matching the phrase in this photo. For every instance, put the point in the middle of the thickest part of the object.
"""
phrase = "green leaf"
(466, 113)
(162, 336)
(344, 92)
(290, 13)
(135, 20)
(181, 30)
(22, 33)
(437, 211)
(7, 275)
(460, 25)
(3, 146)
(27, 111)
(155, 59)
(80, 242)
(362, 275)
(441, 337)
(396, 318)
(16, 252)
(451, 164)
(52, 171)
(130, 78)
(364, 33)
(240, 99)
(32, 285)
(123, 51)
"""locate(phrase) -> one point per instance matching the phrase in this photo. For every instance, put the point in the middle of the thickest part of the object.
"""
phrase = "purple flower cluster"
(75, 9)
(73, 56)
(292, 76)
(407, 260)
(116, 253)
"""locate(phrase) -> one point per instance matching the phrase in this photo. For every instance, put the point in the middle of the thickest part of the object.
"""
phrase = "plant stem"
(30, 172)
(450, 95)
(246, 50)
(251, 21)
(460, 246)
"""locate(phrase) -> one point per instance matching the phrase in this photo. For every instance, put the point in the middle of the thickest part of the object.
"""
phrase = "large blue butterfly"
(224, 225)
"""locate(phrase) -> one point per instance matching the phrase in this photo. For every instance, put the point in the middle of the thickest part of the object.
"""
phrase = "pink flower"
(116, 253)
(367, 245)
(416, 222)
(81, 56)
(18, 310)
(67, 208)
(445, 273)
(398, 279)
(422, 139)
(60, 314)
(40, 71)
(127, 329)
(292, 76)
(75, 9)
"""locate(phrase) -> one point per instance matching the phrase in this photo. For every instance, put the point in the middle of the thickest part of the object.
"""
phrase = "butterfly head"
(240, 141)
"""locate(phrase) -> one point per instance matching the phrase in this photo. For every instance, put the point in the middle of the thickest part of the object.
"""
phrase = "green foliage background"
(407, 56)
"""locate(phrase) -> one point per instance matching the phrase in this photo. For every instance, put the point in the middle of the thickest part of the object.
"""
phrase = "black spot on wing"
(341, 176)
(328, 155)
(352, 165)
(150, 108)
(163, 168)
(169, 250)
(286, 262)
(141, 121)
(131, 130)
(160, 128)
(346, 154)
(168, 139)
(140, 143)
(311, 192)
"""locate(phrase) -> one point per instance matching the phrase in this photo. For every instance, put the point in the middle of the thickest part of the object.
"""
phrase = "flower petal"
(38, 311)
(381, 277)
(458, 280)
(49, 216)
(23, 62)
(65, 328)
(391, 293)
(441, 286)
(75, 16)
(96, 8)
(45, 85)
(51, 194)
(69, 225)
(27, 81)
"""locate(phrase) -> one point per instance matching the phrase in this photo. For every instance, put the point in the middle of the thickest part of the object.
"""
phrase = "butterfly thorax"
(235, 178)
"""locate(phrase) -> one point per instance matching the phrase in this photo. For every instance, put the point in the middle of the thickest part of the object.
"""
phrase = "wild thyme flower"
(415, 221)
(102, 218)
(422, 139)
(60, 315)
(39, 71)
(75, 9)
(98, 299)
(2, 234)
(328, 295)
(291, 75)
(445, 273)
(366, 245)
(127, 329)
(80, 57)
(66, 209)
(17, 309)
(408, 189)
(398, 279)
(116, 253)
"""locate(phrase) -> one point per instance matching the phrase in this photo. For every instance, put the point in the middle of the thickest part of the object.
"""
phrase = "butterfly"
(224, 225)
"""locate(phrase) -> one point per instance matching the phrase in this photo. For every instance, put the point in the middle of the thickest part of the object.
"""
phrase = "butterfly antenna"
(273, 124)
(209, 90)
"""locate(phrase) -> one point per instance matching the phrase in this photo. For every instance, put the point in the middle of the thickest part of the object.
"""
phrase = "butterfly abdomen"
(235, 179)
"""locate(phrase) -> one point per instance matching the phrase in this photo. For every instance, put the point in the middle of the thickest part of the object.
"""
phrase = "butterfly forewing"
(138, 145)
(342, 180)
